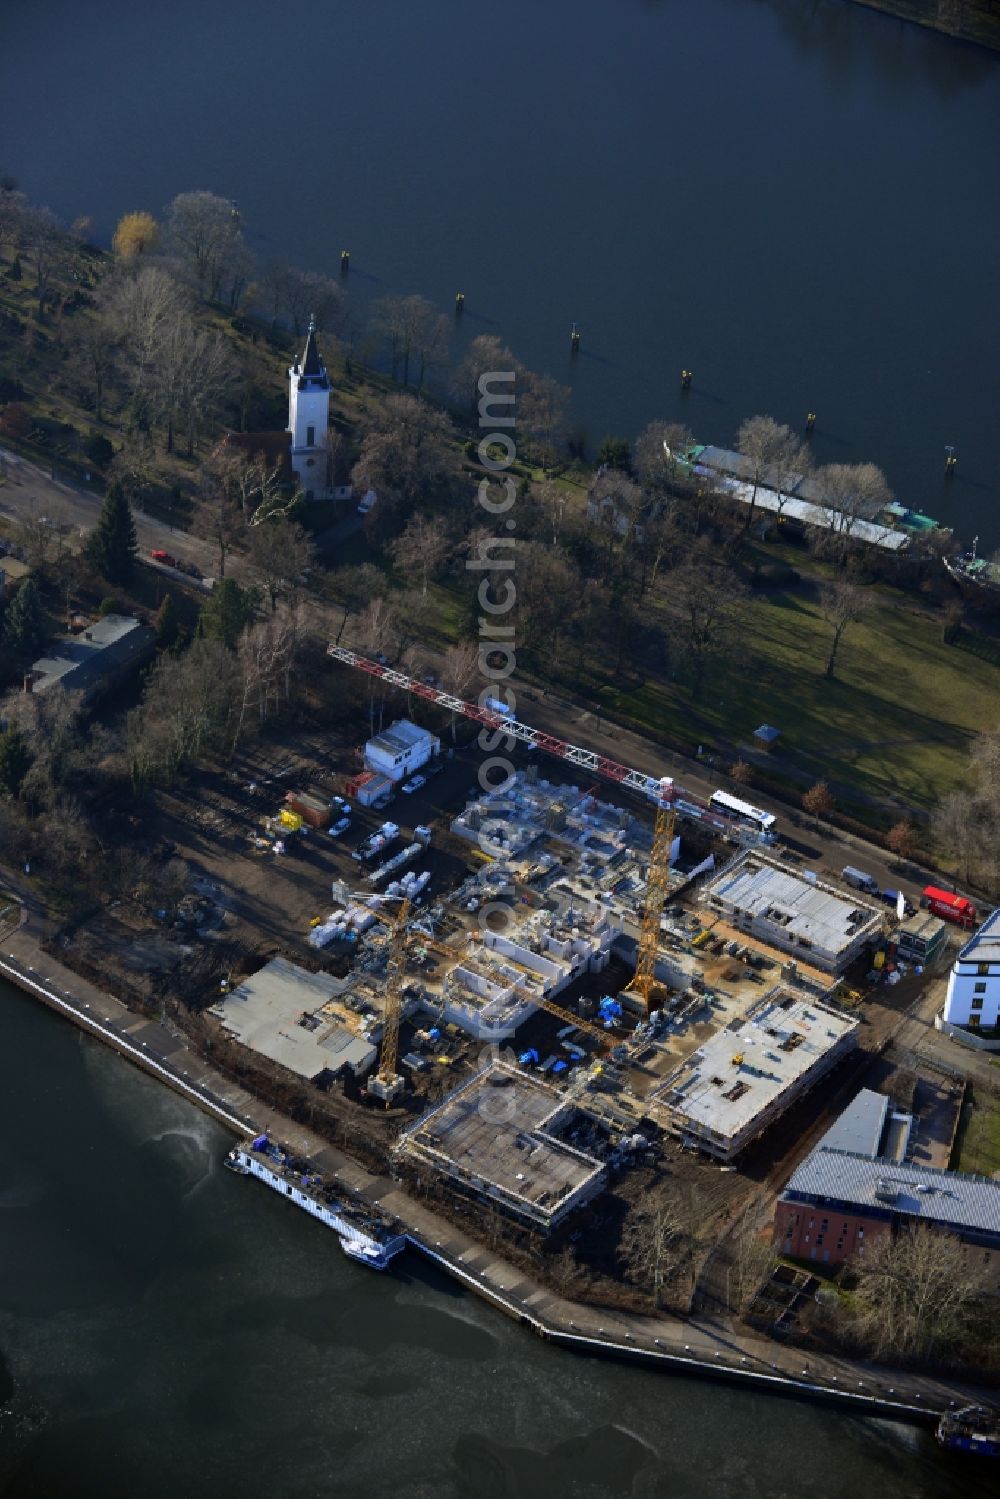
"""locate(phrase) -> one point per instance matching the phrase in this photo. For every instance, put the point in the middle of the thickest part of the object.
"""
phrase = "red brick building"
(829, 1235)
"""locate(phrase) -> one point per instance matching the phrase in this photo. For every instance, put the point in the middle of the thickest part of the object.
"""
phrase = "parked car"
(860, 880)
(413, 784)
(159, 555)
(340, 827)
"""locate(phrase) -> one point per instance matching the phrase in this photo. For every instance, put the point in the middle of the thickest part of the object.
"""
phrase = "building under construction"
(740, 1080)
(496, 1139)
(811, 920)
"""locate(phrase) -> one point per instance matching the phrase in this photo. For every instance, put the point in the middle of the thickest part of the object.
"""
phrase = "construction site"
(584, 988)
(550, 988)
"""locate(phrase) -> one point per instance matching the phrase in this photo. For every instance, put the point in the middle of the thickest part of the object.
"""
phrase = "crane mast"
(657, 885)
(387, 1083)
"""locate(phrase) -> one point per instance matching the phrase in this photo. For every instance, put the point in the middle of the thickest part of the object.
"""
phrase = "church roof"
(312, 364)
(310, 371)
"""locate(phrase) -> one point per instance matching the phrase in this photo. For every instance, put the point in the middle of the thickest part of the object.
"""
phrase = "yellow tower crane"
(656, 890)
(387, 1084)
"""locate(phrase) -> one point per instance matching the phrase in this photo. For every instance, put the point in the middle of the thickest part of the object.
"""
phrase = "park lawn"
(896, 721)
(979, 1137)
(898, 716)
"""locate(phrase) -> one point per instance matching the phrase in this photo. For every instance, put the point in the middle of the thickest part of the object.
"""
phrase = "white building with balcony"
(973, 999)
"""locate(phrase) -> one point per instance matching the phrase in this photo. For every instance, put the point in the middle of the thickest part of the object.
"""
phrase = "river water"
(171, 1329)
(796, 199)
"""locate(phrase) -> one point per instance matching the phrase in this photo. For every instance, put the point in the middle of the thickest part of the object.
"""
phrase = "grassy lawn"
(978, 1146)
(895, 721)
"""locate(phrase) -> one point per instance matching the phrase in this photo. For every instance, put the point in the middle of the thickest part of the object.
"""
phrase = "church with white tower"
(309, 419)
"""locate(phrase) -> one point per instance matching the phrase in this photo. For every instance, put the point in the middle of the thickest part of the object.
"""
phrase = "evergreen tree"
(15, 759)
(111, 546)
(226, 612)
(25, 623)
(165, 623)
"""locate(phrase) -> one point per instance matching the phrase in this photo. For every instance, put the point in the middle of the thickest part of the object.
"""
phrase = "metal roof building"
(860, 1127)
(901, 1193)
(91, 661)
(816, 922)
(731, 1089)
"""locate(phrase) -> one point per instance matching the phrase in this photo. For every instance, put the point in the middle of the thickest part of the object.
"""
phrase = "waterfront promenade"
(702, 1346)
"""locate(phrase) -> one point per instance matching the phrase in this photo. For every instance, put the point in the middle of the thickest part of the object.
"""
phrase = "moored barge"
(363, 1235)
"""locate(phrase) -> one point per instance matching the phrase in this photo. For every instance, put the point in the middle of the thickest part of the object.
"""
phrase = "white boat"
(363, 1235)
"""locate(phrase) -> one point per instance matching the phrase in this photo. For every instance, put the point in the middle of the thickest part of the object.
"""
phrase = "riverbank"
(706, 1347)
(968, 20)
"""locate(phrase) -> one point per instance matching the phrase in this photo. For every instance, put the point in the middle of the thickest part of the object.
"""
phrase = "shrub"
(109, 605)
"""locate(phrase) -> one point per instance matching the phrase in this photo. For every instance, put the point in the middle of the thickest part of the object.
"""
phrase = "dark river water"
(796, 199)
(171, 1330)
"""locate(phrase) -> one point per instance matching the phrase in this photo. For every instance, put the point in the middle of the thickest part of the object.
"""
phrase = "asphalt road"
(27, 490)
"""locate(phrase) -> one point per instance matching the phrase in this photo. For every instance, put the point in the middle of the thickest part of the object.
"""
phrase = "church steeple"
(309, 417)
(312, 367)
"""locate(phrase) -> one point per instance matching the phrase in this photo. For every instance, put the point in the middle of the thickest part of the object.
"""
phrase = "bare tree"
(44, 243)
(902, 839)
(956, 830)
(42, 533)
(459, 671)
(851, 493)
(765, 444)
(841, 604)
(139, 306)
(405, 451)
(710, 605)
(204, 232)
(752, 1258)
(421, 548)
(310, 294)
(549, 595)
(94, 354)
(280, 554)
(414, 332)
(189, 707)
(918, 1293)
(217, 517)
(195, 373)
(614, 505)
(541, 415)
(485, 355)
(661, 1246)
(354, 588)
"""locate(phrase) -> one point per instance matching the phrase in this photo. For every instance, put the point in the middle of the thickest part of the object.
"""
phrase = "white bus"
(742, 812)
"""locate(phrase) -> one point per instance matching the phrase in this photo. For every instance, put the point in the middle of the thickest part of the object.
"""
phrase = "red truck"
(159, 555)
(950, 907)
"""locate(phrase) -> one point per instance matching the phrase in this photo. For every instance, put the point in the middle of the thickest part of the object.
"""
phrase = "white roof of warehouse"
(824, 917)
(739, 1072)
